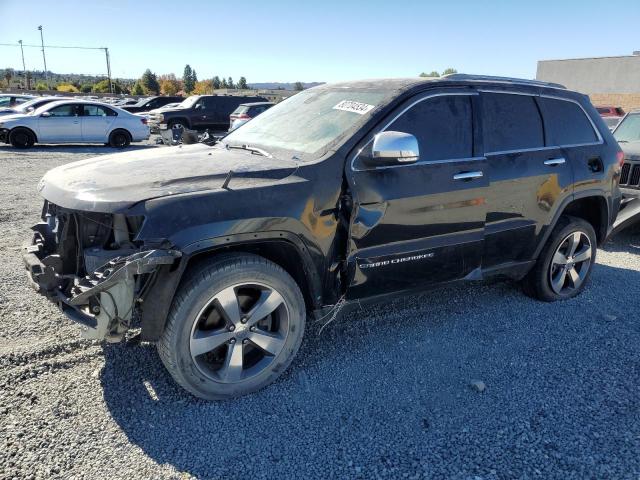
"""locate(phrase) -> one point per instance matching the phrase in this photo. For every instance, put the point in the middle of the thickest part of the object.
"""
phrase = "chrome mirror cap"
(395, 147)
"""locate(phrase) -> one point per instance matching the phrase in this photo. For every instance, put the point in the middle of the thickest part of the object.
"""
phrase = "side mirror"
(393, 148)
(45, 114)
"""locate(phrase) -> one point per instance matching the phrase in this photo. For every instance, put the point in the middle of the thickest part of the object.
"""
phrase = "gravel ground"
(468, 382)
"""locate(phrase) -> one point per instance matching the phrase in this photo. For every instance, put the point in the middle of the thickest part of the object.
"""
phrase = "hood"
(631, 150)
(115, 182)
(12, 116)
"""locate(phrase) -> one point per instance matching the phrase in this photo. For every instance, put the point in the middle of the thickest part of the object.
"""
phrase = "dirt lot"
(383, 392)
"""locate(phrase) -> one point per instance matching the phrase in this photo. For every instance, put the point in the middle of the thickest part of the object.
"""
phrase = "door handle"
(552, 162)
(467, 175)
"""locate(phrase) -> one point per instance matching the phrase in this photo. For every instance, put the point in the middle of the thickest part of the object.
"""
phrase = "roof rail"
(490, 78)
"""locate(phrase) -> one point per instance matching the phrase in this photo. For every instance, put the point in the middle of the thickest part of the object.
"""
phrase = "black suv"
(201, 112)
(341, 194)
(151, 103)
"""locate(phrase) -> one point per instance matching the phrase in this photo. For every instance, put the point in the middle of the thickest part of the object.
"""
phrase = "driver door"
(61, 125)
(422, 223)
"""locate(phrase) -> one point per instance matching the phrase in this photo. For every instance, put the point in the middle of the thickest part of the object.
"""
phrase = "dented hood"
(114, 182)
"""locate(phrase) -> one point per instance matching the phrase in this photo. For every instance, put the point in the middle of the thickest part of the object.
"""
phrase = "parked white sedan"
(73, 121)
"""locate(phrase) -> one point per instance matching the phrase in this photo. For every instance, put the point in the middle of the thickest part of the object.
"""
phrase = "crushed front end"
(93, 267)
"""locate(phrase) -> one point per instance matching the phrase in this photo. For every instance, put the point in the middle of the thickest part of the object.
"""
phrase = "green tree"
(224, 84)
(432, 74)
(449, 71)
(137, 89)
(188, 81)
(42, 86)
(103, 87)
(230, 83)
(86, 88)
(242, 83)
(298, 86)
(216, 82)
(67, 88)
(150, 82)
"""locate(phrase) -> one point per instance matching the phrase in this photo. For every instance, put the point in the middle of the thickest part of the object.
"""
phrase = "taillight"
(244, 116)
(143, 120)
(620, 157)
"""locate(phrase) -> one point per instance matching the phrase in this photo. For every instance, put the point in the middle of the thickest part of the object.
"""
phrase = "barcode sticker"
(355, 107)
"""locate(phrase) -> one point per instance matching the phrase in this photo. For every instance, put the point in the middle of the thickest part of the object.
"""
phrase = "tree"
(137, 89)
(429, 75)
(230, 83)
(103, 87)
(8, 74)
(150, 82)
(188, 79)
(224, 84)
(86, 88)
(28, 80)
(298, 86)
(216, 82)
(169, 84)
(205, 87)
(67, 88)
(242, 83)
(42, 86)
(449, 71)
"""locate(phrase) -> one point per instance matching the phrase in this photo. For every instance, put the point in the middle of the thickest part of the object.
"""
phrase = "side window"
(69, 110)
(566, 123)
(443, 127)
(510, 122)
(210, 103)
(97, 111)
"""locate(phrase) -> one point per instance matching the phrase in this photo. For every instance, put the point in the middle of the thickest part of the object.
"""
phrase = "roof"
(405, 83)
(256, 104)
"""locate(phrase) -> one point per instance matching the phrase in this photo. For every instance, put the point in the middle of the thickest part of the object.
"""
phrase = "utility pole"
(106, 53)
(44, 58)
(24, 68)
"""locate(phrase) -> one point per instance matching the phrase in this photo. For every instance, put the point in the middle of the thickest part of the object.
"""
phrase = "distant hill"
(281, 85)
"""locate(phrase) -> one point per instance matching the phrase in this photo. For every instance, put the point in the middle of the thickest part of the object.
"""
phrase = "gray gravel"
(467, 382)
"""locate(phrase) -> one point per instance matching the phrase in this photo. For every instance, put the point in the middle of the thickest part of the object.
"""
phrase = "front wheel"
(565, 263)
(21, 138)
(234, 327)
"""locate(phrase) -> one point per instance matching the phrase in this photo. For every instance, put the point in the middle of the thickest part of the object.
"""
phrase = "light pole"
(44, 58)
(106, 52)
(24, 68)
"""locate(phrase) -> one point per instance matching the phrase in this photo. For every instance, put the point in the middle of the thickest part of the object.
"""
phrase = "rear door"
(63, 125)
(96, 123)
(528, 177)
(422, 223)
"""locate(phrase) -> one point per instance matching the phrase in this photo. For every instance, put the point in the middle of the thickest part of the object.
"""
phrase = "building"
(611, 81)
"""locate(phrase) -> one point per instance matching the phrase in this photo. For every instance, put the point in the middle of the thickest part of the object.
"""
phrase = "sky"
(288, 41)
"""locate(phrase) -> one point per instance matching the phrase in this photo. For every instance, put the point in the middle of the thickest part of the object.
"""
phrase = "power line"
(50, 46)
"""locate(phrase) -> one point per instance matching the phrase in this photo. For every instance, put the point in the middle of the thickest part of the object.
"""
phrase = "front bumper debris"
(103, 301)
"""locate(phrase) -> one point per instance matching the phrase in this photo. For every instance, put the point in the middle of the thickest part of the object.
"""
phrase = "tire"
(565, 263)
(22, 138)
(177, 124)
(119, 139)
(219, 353)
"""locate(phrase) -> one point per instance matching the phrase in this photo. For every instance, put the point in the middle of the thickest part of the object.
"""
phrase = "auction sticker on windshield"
(355, 107)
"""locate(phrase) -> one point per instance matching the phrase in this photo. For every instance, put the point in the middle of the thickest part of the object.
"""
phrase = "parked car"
(607, 111)
(30, 106)
(151, 103)
(611, 122)
(627, 133)
(11, 100)
(73, 121)
(339, 195)
(200, 112)
(246, 112)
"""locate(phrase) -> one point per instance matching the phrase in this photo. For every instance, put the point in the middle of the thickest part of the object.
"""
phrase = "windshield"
(188, 102)
(629, 129)
(310, 121)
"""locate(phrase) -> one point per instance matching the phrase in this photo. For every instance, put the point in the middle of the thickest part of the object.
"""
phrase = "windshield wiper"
(248, 148)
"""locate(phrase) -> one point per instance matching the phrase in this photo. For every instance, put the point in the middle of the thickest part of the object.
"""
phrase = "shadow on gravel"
(385, 391)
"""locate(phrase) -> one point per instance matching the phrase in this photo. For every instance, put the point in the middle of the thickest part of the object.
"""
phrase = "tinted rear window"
(566, 123)
(511, 122)
(443, 127)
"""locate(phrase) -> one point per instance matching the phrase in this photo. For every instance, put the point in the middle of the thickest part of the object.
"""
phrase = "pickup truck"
(342, 194)
(200, 112)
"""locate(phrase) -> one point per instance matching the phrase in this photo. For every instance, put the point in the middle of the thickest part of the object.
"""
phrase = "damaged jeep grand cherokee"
(340, 194)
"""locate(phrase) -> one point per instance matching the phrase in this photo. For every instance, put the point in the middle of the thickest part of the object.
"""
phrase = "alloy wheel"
(239, 332)
(570, 263)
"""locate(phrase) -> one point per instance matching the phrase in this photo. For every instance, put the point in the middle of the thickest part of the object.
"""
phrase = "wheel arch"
(283, 250)
(183, 120)
(120, 129)
(23, 127)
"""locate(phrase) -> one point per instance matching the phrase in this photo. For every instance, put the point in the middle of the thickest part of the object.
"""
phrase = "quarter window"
(511, 122)
(443, 127)
(565, 122)
(97, 111)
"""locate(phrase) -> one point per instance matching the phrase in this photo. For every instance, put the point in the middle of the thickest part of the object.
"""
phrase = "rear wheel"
(119, 139)
(22, 138)
(565, 263)
(233, 328)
